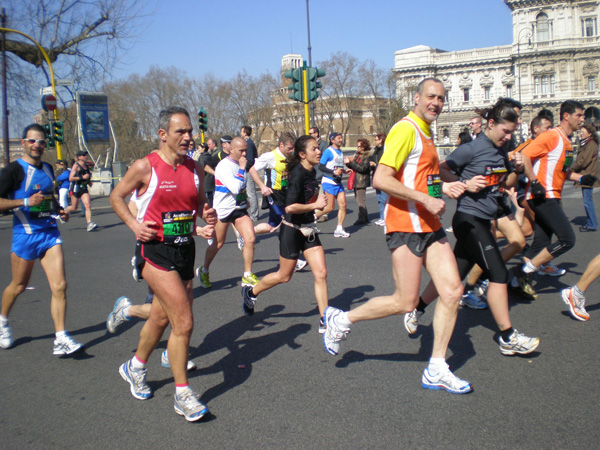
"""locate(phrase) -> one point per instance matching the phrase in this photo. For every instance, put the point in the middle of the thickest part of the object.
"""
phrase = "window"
(545, 82)
(487, 92)
(591, 83)
(543, 27)
(536, 84)
(589, 27)
(466, 92)
(509, 90)
(552, 84)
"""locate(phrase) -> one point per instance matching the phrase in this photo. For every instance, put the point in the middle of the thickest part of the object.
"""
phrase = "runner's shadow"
(351, 296)
(460, 345)
(236, 367)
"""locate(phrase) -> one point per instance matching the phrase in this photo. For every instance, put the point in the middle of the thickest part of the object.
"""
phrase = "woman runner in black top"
(298, 232)
(484, 167)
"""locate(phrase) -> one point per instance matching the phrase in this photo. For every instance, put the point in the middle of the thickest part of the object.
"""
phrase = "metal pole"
(312, 104)
(5, 140)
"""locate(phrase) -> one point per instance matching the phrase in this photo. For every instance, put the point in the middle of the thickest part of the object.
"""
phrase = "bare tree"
(83, 40)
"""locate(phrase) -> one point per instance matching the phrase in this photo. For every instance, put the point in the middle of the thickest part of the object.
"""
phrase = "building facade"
(554, 57)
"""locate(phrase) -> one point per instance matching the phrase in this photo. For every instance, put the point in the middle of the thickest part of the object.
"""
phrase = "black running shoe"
(248, 301)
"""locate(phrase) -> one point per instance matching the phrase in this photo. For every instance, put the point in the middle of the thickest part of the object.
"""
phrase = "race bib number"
(284, 179)
(494, 176)
(177, 227)
(434, 185)
(568, 161)
(43, 210)
(240, 199)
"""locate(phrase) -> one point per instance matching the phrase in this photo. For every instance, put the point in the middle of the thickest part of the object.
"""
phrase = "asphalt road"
(267, 379)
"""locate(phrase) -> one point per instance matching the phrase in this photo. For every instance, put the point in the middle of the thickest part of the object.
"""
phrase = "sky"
(224, 37)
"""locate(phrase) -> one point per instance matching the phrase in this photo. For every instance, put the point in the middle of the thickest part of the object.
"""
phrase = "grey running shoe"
(518, 343)
(188, 405)
(551, 270)
(481, 287)
(137, 381)
(116, 316)
(92, 226)
(248, 301)
(5, 336)
(411, 321)
(240, 242)
(470, 300)
(65, 345)
(576, 304)
(334, 333)
(445, 380)
(164, 361)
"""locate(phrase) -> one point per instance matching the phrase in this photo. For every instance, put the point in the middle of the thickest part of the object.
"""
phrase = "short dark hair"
(569, 107)
(316, 130)
(35, 127)
(537, 121)
(509, 102)
(464, 137)
(164, 117)
(247, 130)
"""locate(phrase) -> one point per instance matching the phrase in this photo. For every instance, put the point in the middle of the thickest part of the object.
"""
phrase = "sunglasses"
(41, 142)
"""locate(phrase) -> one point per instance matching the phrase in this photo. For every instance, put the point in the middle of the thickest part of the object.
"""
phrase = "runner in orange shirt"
(409, 172)
(547, 163)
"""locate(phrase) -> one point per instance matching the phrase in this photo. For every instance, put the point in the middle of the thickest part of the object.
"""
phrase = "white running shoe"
(240, 242)
(333, 332)
(116, 316)
(5, 336)
(92, 226)
(551, 270)
(340, 232)
(188, 405)
(445, 380)
(518, 343)
(411, 321)
(576, 304)
(300, 264)
(66, 345)
(137, 381)
(164, 361)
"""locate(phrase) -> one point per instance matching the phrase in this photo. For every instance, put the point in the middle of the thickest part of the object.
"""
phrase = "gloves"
(588, 180)
(537, 190)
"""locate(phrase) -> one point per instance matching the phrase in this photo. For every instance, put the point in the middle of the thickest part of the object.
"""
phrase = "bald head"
(238, 148)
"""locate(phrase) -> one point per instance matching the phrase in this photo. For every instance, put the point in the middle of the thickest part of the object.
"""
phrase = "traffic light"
(58, 131)
(49, 130)
(313, 84)
(202, 122)
(296, 85)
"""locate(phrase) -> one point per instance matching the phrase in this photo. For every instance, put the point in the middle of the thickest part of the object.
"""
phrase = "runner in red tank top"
(170, 192)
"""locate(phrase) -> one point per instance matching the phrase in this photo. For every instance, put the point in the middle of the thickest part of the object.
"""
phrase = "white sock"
(247, 274)
(3, 320)
(60, 334)
(528, 267)
(343, 321)
(126, 313)
(339, 228)
(203, 270)
(436, 365)
(181, 389)
(136, 364)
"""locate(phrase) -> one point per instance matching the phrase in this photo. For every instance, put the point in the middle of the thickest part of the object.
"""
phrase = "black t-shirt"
(303, 188)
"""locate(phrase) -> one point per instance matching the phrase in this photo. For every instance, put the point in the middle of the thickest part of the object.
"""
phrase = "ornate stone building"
(554, 57)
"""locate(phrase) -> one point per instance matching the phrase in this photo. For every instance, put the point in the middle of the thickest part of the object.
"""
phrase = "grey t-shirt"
(480, 157)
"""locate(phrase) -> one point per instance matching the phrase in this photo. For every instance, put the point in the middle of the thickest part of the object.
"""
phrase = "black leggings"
(550, 219)
(475, 244)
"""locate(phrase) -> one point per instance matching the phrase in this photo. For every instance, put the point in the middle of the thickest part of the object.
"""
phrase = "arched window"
(543, 27)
